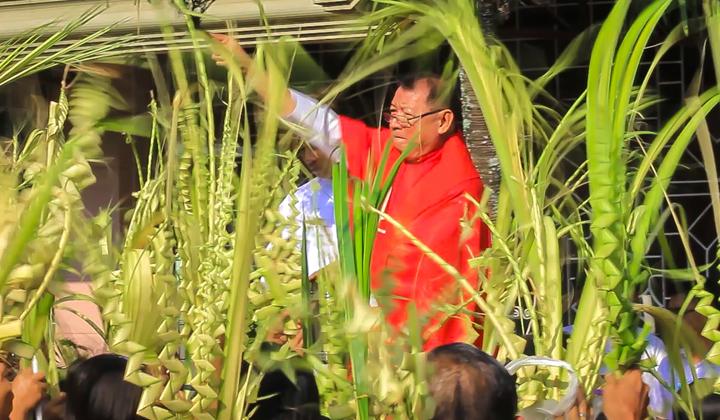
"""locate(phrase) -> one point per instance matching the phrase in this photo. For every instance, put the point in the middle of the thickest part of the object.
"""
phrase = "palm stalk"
(349, 268)
(615, 269)
(255, 169)
(356, 237)
(29, 53)
(198, 262)
(41, 187)
(710, 330)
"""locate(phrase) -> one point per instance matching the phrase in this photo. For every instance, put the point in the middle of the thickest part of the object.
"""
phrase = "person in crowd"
(467, 383)
(662, 376)
(428, 195)
(5, 392)
(311, 206)
(287, 400)
(624, 397)
(95, 389)
(709, 407)
(20, 396)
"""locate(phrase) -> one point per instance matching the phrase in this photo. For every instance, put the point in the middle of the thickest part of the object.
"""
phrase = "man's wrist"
(19, 412)
(293, 114)
(620, 413)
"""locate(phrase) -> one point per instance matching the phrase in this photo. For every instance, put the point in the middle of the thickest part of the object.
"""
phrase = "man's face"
(409, 126)
(316, 161)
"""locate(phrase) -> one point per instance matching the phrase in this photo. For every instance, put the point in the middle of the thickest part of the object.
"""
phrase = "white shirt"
(325, 135)
(313, 203)
(315, 199)
(322, 123)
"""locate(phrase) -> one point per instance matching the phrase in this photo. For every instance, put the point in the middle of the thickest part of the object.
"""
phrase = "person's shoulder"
(350, 125)
(353, 126)
(458, 168)
(456, 153)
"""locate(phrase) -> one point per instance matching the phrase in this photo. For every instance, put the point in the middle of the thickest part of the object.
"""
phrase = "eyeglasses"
(406, 121)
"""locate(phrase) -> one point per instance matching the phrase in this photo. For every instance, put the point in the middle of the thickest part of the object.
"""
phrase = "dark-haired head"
(467, 383)
(288, 400)
(95, 389)
(442, 92)
(709, 407)
(421, 113)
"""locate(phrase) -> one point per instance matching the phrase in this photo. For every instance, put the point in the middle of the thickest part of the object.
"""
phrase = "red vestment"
(427, 198)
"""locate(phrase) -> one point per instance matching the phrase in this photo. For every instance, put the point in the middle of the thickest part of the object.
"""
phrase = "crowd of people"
(93, 389)
(464, 383)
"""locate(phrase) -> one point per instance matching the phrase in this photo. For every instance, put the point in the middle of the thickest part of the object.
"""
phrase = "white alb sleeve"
(322, 122)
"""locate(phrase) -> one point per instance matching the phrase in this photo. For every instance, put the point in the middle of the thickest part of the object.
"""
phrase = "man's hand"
(28, 390)
(5, 392)
(259, 79)
(579, 409)
(297, 342)
(276, 334)
(235, 50)
(625, 397)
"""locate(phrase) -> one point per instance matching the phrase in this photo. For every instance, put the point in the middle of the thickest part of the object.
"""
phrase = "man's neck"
(428, 154)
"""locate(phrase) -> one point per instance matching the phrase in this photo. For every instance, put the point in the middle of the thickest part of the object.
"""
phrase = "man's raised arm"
(321, 121)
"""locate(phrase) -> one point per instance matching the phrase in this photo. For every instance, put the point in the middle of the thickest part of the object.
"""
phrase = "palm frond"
(33, 51)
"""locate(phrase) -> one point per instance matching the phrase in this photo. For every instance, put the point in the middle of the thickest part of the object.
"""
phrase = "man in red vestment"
(428, 197)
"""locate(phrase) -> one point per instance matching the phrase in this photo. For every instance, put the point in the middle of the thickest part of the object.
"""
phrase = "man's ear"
(446, 120)
(519, 418)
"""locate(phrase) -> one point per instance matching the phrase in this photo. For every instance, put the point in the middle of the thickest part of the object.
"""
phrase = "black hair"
(283, 399)
(444, 92)
(709, 407)
(95, 389)
(467, 383)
